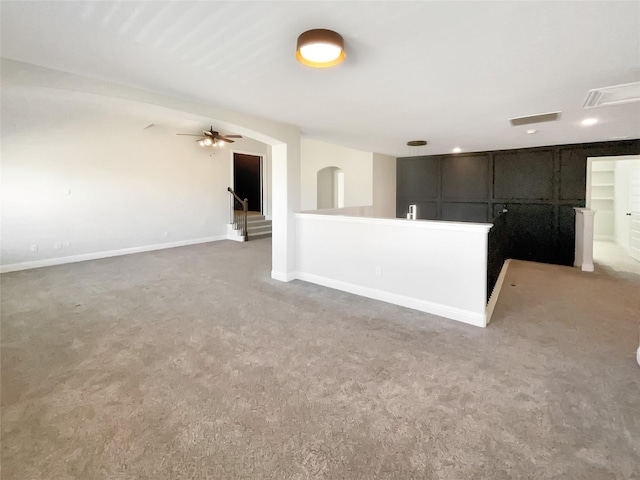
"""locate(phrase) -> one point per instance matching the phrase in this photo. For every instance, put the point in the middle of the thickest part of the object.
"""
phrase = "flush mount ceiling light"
(457, 150)
(532, 131)
(416, 143)
(320, 48)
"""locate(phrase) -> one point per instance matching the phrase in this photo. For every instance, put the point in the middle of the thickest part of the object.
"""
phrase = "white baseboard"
(235, 238)
(491, 304)
(49, 262)
(284, 276)
(453, 313)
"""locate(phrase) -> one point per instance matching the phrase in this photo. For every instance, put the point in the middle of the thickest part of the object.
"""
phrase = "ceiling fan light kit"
(211, 138)
(320, 48)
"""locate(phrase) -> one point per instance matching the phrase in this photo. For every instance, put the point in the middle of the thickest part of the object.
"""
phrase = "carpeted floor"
(191, 363)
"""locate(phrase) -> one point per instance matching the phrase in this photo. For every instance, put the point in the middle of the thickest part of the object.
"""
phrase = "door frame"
(590, 161)
(262, 174)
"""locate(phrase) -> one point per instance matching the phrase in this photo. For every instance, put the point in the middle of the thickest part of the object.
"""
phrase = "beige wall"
(356, 165)
(369, 178)
(384, 185)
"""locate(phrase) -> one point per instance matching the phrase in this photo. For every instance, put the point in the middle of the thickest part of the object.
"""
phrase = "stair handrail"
(238, 216)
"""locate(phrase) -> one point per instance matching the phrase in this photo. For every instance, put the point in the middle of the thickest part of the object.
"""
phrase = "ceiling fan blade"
(210, 134)
(233, 136)
(190, 134)
(224, 138)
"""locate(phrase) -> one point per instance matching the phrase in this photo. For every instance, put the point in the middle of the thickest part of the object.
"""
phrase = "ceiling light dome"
(320, 48)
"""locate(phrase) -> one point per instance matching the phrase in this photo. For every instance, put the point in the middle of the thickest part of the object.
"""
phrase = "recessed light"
(532, 131)
(457, 150)
(587, 122)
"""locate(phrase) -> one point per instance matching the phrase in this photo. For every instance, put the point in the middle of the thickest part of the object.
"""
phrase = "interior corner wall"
(356, 165)
(384, 186)
(81, 175)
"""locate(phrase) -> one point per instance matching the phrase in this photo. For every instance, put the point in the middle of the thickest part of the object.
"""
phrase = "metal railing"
(497, 249)
(238, 211)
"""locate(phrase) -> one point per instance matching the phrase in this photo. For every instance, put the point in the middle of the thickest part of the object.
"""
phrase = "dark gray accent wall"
(540, 187)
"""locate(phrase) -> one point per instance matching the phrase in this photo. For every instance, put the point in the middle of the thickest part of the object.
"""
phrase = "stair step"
(257, 227)
(258, 230)
(261, 235)
(260, 223)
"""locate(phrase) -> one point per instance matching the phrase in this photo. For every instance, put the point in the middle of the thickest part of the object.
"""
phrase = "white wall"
(356, 165)
(622, 222)
(129, 188)
(82, 176)
(436, 267)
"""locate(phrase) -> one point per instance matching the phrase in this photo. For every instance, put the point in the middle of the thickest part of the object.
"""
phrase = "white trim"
(49, 262)
(493, 299)
(399, 222)
(233, 234)
(284, 276)
(465, 316)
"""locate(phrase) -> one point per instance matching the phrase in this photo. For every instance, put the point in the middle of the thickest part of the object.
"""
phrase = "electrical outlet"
(165, 234)
(378, 272)
(34, 247)
(57, 245)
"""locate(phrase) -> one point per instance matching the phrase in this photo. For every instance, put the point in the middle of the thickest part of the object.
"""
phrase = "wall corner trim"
(284, 276)
(49, 262)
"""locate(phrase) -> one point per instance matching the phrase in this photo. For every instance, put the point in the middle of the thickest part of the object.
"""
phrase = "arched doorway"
(330, 188)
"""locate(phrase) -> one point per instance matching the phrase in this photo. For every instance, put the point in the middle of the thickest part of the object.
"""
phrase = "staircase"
(257, 227)
(245, 225)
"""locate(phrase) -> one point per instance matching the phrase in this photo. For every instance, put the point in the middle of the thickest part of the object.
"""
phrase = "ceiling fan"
(211, 138)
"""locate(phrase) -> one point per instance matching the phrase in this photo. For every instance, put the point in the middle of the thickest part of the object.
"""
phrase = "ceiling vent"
(601, 97)
(542, 117)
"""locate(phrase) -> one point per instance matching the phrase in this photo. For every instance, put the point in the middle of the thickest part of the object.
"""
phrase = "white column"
(584, 239)
(285, 178)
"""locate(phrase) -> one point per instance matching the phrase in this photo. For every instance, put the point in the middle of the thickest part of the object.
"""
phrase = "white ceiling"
(452, 73)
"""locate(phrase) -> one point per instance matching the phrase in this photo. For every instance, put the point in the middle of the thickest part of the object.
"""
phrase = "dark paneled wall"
(540, 187)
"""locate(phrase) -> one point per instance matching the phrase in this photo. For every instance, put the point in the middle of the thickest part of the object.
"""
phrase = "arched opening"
(330, 188)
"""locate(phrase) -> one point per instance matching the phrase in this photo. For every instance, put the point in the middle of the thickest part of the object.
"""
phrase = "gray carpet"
(191, 363)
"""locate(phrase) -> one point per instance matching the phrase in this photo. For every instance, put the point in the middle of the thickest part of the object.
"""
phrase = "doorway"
(247, 179)
(613, 191)
(330, 188)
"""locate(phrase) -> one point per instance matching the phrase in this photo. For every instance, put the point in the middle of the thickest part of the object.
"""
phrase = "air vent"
(542, 117)
(616, 95)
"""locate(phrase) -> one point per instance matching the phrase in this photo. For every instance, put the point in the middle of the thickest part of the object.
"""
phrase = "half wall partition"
(433, 266)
